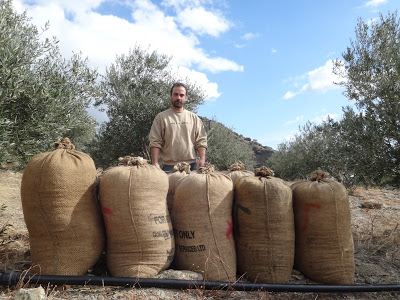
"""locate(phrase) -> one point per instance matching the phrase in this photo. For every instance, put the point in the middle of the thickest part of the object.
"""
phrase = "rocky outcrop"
(261, 153)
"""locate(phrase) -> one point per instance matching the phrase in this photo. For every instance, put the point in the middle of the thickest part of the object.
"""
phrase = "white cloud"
(217, 64)
(290, 94)
(375, 3)
(184, 3)
(239, 46)
(246, 37)
(273, 51)
(322, 78)
(296, 120)
(201, 16)
(210, 88)
(202, 21)
(102, 37)
(319, 80)
(74, 6)
(249, 36)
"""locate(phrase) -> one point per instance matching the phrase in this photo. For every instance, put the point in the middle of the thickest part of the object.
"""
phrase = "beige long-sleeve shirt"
(178, 135)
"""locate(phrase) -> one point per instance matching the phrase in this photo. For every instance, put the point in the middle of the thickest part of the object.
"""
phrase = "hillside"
(261, 153)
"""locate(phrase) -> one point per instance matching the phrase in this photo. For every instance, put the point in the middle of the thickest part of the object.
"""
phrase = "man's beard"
(177, 104)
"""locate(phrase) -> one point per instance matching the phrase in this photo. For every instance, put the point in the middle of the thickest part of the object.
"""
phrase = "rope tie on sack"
(264, 172)
(318, 175)
(181, 167)
(132, 161)
(237, 166)
(64, 143)
(207, 168)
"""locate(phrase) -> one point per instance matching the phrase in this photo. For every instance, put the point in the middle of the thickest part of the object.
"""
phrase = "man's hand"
(200, 163)
(202, 154)
(154, 156)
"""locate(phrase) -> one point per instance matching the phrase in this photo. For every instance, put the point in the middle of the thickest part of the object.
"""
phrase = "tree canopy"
(371, 72)
(134, 90)
(43, 96)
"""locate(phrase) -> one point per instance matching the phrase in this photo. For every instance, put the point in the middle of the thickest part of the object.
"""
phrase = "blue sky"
(266, 66)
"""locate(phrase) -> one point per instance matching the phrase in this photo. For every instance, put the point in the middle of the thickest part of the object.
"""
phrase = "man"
(176, 134)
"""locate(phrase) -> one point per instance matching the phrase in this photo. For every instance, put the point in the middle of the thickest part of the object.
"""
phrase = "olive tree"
(133, 91)
(314, 147)
(371, 76)
(43, 96)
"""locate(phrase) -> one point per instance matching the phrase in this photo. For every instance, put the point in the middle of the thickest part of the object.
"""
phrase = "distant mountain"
(261, 153)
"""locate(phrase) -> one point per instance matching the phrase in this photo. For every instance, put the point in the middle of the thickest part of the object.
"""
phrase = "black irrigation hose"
(10, 278)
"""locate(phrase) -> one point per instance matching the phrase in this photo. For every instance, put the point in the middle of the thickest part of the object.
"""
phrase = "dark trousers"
(168, 168)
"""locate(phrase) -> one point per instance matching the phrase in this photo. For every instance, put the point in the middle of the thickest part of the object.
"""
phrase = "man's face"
(178, 97)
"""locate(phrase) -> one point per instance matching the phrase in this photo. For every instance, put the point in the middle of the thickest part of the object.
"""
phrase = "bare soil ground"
(376, 233)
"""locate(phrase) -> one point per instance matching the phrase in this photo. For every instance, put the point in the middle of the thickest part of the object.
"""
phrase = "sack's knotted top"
(207, 168)
(263, 172)
(132, 161)
(237, 166)
(318, 175)
(64, 143)
(181, 167)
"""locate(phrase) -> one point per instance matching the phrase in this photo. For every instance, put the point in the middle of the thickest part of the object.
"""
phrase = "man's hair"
(178, 84)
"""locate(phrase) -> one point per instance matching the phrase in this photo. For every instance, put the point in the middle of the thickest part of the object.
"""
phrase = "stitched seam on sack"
(54, 239)
(339, 237)
(212, 227)
(133, 221)
(267, 229)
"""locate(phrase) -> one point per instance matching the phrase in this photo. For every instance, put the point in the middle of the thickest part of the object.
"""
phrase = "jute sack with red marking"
(264, 227)
(238, 170)
(179, 171)
(324, 241)
(202, 220)
(133, 196)
(61, 212)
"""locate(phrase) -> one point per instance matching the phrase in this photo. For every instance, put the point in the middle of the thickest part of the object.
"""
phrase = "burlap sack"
(202, 220)
(238, 170)
(58, 193)
(179, 171)
(264, 227)
(140, 241)
(324, 242)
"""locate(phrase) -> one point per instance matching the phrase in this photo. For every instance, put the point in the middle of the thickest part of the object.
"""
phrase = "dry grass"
(379, 243)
